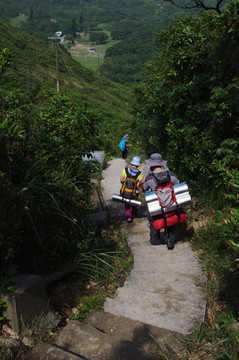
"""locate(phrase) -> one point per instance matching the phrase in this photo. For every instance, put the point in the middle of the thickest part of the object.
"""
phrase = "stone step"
(141, 335)
(103, 336)
(182, 253)
(161, 310)
(168, 284)
(84, 341)
(44, 351)
(161, 300)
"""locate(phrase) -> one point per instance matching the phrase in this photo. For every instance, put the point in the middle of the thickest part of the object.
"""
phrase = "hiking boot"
(170, 244)
(129, 219)
(155, 242)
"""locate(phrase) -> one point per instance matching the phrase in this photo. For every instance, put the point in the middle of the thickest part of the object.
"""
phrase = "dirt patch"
(85, 50)
(79, 50)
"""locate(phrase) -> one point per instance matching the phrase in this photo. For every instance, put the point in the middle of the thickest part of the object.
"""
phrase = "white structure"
(58, 33)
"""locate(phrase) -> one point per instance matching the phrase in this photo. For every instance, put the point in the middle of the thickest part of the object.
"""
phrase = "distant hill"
(33, 71)
(132, 22)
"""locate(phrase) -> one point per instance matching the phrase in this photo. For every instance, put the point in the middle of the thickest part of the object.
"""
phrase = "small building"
(58, 33)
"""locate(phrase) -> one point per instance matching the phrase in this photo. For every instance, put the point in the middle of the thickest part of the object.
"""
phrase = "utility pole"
(57, 70)
(98, 63)
(56, 39)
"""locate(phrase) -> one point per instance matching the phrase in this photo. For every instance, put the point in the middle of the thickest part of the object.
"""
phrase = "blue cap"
(136, 161)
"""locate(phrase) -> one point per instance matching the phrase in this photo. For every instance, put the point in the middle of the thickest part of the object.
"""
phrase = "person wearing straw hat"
(159, 169)
(132, 170)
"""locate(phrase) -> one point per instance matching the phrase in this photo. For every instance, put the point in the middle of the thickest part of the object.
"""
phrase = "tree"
(5, 58)
(120, 30)
(31, 16)
(188, 102)
(73, 27)
(200, 4)
(98, 37)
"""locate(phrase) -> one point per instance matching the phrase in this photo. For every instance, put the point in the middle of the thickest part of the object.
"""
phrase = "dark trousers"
(124, 153)
(156, 236)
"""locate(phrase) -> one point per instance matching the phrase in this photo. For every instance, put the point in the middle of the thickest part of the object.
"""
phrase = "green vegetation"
(45, 186)
(88, 303)
(3, 306)
(33, 70)
(80, 51)
(18, 20)
(132, 23)
(90, 62)
(186, 104)
(101, 270)
(98, 37)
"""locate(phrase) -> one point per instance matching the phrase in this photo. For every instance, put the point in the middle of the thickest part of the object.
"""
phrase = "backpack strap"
(158, 184)
(178, 212)
(137, 174)
(130, 175)
(157, 180)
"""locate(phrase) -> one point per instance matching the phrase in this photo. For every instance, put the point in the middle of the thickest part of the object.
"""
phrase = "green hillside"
(45, 186)
(33, 69)
(132, 23)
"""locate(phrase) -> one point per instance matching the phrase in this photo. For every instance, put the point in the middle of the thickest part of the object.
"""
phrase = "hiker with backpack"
(124, 145)
(160, 177)
(131, 180)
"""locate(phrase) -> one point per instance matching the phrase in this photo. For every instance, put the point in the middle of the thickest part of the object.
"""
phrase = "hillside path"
(164, 288)
(161, 300)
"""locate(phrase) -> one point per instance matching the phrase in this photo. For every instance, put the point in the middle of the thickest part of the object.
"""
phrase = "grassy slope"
(81, 53)
(34, 61)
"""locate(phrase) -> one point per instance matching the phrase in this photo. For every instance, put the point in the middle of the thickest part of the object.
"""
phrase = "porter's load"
(119, 198)
(182, 198)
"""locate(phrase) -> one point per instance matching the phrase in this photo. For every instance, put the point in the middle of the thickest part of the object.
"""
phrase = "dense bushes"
(45, 185)
(188, 103)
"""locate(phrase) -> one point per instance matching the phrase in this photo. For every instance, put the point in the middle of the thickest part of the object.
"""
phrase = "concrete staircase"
(103, 336)
(162, 299)
(165, 287)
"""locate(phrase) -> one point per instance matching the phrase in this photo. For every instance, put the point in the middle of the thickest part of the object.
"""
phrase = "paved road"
(165, 287)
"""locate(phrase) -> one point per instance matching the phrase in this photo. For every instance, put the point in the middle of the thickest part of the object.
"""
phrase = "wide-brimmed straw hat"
(156, 160)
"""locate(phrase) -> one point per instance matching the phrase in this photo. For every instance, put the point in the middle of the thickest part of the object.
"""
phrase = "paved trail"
(165, 286)
(162, 299)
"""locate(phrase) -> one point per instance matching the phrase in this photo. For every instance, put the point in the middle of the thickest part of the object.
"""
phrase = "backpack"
(129, 186)
(122, 145)
(165, 191)
(166, 197)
